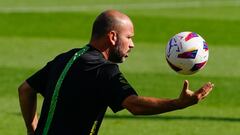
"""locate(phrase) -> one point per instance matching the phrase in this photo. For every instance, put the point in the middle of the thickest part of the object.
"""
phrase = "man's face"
(124, 43)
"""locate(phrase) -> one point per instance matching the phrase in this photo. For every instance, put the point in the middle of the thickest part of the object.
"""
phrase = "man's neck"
(101, 46)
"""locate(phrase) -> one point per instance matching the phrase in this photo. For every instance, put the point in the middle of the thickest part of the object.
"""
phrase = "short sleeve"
(118, 88)
(38, 81)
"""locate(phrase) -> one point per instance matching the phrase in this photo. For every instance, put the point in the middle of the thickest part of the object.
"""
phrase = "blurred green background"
(33, 32)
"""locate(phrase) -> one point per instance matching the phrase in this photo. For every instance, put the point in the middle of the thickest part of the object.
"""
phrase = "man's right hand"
(188, 97)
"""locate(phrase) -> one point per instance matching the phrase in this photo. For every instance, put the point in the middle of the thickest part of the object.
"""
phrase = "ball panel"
(198, 66)
(188, 55)
(175, 68)
(190, 36)
(205, 46)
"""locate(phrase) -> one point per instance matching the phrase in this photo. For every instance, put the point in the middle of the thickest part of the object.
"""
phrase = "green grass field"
(33, 32)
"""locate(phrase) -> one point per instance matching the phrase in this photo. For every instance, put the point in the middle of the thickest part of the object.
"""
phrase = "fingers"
(204, 90)
(185, 86)
(189, 97)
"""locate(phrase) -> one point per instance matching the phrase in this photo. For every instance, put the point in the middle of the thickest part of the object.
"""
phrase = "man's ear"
(112, 36)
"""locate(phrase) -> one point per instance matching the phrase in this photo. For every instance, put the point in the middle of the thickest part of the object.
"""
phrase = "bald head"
(107, 21)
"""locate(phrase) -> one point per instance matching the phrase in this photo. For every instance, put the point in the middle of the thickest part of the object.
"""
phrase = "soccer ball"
(187, 53)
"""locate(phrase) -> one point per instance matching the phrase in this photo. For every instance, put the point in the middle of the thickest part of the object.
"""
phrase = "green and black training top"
(90, 86)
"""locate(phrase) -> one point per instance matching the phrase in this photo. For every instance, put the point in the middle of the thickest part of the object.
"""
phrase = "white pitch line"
(135, 6)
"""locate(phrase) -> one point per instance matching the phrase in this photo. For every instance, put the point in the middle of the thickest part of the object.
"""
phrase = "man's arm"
(28, 104)
(139, 105)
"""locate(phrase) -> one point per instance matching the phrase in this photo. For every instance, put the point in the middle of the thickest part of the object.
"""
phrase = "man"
(78, 87)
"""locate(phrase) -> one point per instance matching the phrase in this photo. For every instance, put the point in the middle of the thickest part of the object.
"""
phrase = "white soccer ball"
(187, 53)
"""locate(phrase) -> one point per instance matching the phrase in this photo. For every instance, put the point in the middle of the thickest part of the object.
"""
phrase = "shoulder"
(109, 67)
(67, 54)
(109, 70)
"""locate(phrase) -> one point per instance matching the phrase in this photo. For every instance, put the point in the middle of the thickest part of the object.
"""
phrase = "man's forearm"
(139, 105)
(150, 105)
(28, 103)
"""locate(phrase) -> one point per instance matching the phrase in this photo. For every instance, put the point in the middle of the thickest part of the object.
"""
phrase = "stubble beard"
(115, 55)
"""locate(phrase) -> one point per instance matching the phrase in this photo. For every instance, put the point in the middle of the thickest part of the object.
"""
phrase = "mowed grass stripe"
(26, 52)
(35, 52)
(147, 28)
(147, 84)
(145, 57)
(76, 7)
